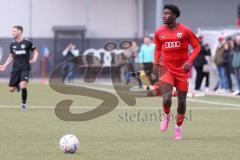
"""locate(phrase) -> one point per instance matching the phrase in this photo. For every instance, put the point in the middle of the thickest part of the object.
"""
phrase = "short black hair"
(19, 28)
(173, 8)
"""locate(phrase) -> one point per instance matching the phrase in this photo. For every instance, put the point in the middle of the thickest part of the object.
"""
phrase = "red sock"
(166, 110)
(179, 119)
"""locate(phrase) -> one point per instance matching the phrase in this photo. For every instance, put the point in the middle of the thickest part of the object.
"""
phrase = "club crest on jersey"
(179, 35)
(23, 46)
(162, 36)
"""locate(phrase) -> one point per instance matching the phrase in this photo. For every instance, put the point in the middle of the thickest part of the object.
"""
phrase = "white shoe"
(24, 107)
(222, 90)
(236, 92)
(207, 89)
(227, 91)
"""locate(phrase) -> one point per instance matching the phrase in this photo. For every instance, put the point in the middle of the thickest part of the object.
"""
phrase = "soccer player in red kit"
(172, 52)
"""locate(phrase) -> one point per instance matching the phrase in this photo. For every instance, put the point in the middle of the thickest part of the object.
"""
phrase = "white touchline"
(188, 99)
(120, 108)
(214, 103)
(231, 106)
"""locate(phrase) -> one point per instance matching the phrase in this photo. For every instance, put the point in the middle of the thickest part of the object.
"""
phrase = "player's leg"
(167, 102)
(166, 88)
(23, 86)
(14, 81)
(182, 89)
(181, 109)
(12, 89)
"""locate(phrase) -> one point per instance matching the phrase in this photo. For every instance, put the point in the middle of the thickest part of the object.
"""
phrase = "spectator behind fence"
(146, 55)
(207, 67)
(68, 53)
(218, 60)
(132, 53)
(236, 64)
(227, 63)
(201, 63)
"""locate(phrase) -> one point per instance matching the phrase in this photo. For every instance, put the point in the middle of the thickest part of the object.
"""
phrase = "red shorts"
(174, 75)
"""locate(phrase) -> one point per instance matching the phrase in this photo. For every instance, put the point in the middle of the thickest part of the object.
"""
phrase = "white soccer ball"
(69, 143)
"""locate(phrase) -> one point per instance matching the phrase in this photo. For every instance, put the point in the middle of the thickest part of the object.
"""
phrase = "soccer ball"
(69, 143)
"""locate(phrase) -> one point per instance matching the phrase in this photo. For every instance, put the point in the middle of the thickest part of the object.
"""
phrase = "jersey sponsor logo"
(14, 46)
(172, 44)
(179, 35)
(20, 52)
(23, 46)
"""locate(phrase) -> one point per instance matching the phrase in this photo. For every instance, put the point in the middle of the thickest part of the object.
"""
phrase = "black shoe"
(216, 88)
(148, 88)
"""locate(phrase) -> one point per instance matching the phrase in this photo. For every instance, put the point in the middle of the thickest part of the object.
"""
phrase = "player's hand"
(186, 67)
(2, 68)
(32, 61)
(154, 72)
(153, 76)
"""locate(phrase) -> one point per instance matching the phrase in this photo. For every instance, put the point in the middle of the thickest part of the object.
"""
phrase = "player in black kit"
(20, 55)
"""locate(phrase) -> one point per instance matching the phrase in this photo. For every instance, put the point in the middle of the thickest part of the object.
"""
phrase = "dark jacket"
(227, 60)
(200, 59)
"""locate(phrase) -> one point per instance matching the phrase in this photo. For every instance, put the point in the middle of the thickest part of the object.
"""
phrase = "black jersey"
(21, 54)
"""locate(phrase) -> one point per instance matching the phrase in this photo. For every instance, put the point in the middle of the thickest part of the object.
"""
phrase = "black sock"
(24, 95)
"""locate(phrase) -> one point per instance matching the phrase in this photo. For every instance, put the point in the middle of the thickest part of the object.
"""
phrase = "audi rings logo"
(173, 44)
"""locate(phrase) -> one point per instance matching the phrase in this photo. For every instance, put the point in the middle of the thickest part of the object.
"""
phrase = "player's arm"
(194, 42)
(35, 56)
(158, 47)
(66, 50)
(8, 61)
(157, 54)
(35, 53)
(75, 52)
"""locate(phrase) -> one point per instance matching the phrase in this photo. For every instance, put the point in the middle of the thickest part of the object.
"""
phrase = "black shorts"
(18, 76)
(147, 67)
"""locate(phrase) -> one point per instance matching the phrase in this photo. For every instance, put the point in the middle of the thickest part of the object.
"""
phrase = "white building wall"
(104, 18)
(117, 18)
(48, 13)
(13, 12)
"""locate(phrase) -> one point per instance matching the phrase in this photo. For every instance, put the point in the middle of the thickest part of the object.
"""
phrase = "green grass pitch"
(211, 132)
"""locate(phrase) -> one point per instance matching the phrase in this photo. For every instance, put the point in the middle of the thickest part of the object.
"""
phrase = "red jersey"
(172, 44)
